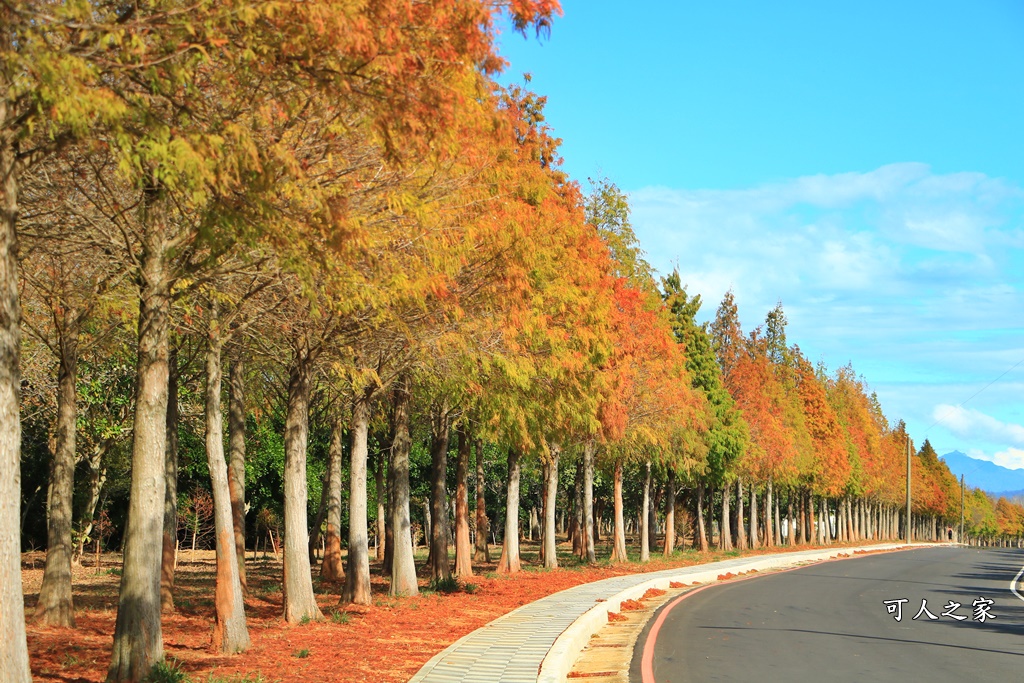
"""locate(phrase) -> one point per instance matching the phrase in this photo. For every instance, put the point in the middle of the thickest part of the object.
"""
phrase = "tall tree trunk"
(652, 514)
(825, 532)
(170, 526)
(403, 567)
(380, 493)
(138, 638)
(236, 462)
(313, 545)
(778, 520)
(588, 501)
(509, 561)
(576, 523)
(702, 532)
(439, 567)
(812, 524)
(790, 521)
(463, 565)
(299, 600)
(97, 478)
(331, 568)
(769, 529)
(357, 571)
(13, 648)
(482, 552)
(230, 633)
(803, 517)
(55, 607)
(741, 532)
(535, 519)
(724, 530)
(551, 485)
(426, 526)
(645, 517)
(753, 516)
(670, 513)
(619, 533)
(389, 530)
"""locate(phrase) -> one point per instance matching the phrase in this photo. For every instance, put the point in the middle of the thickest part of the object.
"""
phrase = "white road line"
(1013, 584)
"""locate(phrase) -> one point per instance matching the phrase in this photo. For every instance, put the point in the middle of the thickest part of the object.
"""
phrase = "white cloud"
(914, 276)
(969, 423)
(1011, 458)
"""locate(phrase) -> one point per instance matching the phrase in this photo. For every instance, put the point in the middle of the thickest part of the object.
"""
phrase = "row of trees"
(340, 201)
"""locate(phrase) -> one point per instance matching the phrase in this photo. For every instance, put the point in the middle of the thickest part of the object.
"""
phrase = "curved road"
(830, 622)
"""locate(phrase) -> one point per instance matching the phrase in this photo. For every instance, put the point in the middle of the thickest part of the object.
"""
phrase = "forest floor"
(384, 643)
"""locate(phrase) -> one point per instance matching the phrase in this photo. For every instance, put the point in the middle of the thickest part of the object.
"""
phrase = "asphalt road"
(829, 622)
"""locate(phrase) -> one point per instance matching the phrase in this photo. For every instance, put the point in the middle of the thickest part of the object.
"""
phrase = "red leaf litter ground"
(383, 643)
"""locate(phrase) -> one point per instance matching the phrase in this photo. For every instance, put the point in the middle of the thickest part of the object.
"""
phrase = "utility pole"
(961, 508)
(909, 539)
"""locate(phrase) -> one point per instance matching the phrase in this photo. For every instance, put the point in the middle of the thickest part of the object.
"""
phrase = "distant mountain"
(985, 475)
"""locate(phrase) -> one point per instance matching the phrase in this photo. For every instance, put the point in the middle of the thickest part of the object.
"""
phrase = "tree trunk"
(724, 531)
(619, 533)
(645, 516)
(576, 522)
(463, 565)
(670, 513)
(236, 462)
(803, 517)
(588, 502)
(313, 545)
(138, 638)
(482, 552)
(778, 520)
(55, 607)
(440, 570)
(331, 568)
(403, 567)
(741, 532)
(790, 521)
(812, 523)
(168, 560)
(753, 516)
(825, 530)
(380, 493)
(230, 634)
(509, 561)
(551, 484)
(97, 477)
(426, 526)
(357, 571)
(299, 600)
(13, 648)
(769, 529)
(702, 532)
(389, 530)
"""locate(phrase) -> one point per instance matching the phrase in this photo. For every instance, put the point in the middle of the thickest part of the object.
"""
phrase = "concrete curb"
(540, 641)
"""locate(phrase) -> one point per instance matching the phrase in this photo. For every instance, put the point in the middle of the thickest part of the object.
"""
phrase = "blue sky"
(861, 162)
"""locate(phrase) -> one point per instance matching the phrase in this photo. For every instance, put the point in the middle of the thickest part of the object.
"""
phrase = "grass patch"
(339, 617)
(168, 671)
(301, 654)
(449, 585)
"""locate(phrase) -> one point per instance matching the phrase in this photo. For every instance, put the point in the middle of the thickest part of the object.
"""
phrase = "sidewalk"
(539, 642)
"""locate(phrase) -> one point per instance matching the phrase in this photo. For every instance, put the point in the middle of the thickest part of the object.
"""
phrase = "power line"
(961, 405)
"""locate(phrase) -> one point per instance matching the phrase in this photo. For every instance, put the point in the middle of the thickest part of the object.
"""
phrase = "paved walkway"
(512, 648)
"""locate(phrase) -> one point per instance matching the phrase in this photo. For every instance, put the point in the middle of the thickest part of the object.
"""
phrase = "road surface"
(830, 622)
